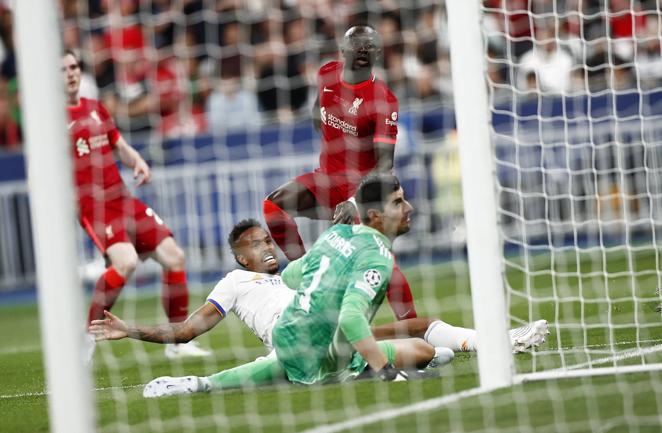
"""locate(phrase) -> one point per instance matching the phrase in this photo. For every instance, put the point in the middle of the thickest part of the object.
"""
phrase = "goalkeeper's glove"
(389, 373)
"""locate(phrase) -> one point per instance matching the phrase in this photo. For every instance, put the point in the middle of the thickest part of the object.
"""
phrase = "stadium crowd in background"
(175, 67)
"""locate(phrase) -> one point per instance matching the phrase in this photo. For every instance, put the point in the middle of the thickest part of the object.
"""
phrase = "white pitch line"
(44, 393)
(627, 354)
(421, 406)
(22, 349)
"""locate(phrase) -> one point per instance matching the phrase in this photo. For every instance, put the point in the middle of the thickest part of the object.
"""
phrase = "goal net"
(574, 103)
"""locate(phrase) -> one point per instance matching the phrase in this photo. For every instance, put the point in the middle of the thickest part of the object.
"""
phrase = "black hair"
(373, 193)
(70, 52)
(237, 231)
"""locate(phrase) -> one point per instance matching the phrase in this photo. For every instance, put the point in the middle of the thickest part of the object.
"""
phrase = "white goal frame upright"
(61, 306)
(495, 361)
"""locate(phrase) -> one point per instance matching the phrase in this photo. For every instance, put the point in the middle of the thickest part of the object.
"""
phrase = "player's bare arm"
(384, 155)
(317, 120)
(369, 350)
(403, 329)
(114, 328)
(132, 159)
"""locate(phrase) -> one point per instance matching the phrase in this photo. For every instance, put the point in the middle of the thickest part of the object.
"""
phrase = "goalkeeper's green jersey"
(340, 284)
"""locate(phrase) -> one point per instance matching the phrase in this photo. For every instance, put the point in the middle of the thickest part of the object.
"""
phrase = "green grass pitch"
(618, 287)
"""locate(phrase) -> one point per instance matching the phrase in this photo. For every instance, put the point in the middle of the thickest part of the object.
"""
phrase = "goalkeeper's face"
(396, 215)
(256, 251)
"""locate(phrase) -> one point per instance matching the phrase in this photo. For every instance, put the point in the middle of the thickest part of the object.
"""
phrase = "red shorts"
(124, 219)
(329, 189)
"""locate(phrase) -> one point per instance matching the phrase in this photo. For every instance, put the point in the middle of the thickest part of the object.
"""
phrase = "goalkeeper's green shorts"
(330, 369)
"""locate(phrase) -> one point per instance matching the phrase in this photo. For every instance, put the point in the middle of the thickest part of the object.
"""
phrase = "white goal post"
(495, 362)
(551, 161)
(53, 215)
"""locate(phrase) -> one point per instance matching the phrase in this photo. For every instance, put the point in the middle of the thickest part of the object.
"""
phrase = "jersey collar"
(361, 228)
(360, 85)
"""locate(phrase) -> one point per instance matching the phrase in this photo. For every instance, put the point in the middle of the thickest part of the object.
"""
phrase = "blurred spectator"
(625, 21)
(596, 66)
(513, 21)
(551, 64)
(103, 69)
(230, 106)
(160, 22)
(427, 31)
(622, 76)
(8, 66)
(231, 41)
(298, 67)
(648, 59)
(497, 71)
(10, 128)
(269, 52)
(393, 52)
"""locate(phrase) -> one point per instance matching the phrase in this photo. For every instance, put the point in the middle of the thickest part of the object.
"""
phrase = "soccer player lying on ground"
(258, 296)
(357, 117)
(253, 295)
(121, 226)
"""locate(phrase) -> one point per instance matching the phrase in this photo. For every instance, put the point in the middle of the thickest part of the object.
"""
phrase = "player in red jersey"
(356, 115)
(121, 226)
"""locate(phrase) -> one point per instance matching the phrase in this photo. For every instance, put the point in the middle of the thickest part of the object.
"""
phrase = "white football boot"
(442, 356)
(186, 350)
(527, 336)
(166, 386)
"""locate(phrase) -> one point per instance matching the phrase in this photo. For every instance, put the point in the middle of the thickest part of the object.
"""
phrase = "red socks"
(106, 291)
(175, 295)
(283, 230)
(399, 295)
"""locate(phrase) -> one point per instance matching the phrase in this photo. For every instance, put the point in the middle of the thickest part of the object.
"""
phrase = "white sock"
(441, 334)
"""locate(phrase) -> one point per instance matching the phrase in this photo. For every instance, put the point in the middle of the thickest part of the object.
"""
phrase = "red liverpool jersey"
(93, 135)
(354, 117)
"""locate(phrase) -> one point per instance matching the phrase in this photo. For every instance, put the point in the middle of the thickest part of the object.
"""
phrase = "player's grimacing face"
(258, 251)
(396, 216)
(71, 74)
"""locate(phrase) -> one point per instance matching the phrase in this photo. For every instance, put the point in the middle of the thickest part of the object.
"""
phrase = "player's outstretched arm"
(132, 159)
(114, 328)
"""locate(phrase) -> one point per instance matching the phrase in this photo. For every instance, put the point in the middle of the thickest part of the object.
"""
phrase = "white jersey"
(257, 299)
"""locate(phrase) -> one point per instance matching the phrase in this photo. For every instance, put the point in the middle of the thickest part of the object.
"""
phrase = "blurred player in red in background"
(356, 115)
(121, 226)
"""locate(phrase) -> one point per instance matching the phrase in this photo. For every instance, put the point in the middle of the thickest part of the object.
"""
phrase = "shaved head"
(360, 32)
(361, 48)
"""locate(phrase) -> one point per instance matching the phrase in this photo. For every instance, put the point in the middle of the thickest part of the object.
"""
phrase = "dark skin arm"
(114, 328)
(402, 329)
(317, 120)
